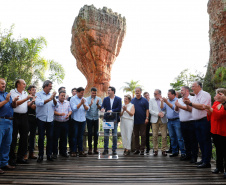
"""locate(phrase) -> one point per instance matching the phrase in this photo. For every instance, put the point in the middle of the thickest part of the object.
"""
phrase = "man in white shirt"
(20, 123)
(202, 126)
(159, 121)
(187, 126)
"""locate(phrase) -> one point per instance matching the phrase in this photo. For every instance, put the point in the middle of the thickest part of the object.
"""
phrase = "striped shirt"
(62, 108)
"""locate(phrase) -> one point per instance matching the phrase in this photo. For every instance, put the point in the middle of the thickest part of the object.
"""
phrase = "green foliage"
(186, 78)
(130, 86)
(20, 59)
(219, 78)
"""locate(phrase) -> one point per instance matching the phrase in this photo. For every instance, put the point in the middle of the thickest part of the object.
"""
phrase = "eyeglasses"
(155, 93)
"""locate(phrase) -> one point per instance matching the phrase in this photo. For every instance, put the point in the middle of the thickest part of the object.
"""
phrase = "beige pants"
(163, 130)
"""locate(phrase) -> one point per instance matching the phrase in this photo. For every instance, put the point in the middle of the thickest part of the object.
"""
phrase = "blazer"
(153, 109)
(116, 107)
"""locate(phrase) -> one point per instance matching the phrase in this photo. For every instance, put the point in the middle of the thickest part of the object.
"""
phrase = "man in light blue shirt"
(79, 107)
(45, 104)
(173, 124)
(92, 119)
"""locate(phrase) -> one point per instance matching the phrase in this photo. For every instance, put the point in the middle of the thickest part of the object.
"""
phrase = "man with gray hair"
(159, 121)
(141, 118)
(45, 105)
(202, 126)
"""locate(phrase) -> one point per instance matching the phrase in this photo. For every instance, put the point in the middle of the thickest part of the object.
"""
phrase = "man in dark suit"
(111, 103)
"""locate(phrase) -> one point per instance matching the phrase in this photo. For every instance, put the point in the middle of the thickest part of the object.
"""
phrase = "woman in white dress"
(126, 125)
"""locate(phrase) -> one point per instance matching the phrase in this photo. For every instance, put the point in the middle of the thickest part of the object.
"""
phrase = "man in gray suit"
(159, 121)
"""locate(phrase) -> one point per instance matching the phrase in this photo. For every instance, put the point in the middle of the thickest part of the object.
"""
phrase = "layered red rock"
(217, 40)
(97, 36)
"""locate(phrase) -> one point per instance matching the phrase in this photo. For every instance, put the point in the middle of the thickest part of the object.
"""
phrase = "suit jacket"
(153, 109)
(116, 107)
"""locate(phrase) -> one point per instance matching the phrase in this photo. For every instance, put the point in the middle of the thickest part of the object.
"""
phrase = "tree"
(130, 86)
(20, 59)
(186, 78)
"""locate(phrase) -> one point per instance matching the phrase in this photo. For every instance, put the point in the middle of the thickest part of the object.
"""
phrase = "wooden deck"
(133, 169)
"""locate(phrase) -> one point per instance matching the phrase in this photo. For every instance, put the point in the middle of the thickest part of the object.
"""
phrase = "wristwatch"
(190, 104)
(147, 117)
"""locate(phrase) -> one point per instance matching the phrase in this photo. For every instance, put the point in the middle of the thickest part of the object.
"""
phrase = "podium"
(108, 120)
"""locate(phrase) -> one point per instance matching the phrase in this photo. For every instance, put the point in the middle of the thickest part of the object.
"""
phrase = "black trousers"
(148, 126)
(32, 129)
(20, 125)
(220, 144)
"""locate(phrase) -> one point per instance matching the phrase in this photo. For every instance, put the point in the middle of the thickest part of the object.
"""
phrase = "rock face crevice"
(97, 36)
(217, 40)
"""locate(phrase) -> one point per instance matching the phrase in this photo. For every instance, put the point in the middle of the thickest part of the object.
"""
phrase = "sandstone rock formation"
(97, 36)
(217, 39)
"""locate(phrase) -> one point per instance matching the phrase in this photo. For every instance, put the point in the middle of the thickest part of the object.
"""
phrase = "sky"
(163, 37)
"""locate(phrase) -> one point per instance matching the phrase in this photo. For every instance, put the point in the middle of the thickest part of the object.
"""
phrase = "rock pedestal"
(97, 36)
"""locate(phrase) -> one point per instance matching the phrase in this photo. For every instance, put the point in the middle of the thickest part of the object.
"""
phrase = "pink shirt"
(202, 97)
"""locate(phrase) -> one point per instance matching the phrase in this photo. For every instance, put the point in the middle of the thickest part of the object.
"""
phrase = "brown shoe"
(90, 152)
(82, 154)
(1, 171)
(73, 154)
(155, 153)
(32, 156)
(25, 157)
(8, 167)
(164, 153)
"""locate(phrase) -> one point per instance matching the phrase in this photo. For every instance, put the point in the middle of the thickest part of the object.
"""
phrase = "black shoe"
(204, 165)
(114, 152)
(137, 152)
(183, 157)
(8, 168)
(174, 155)
(21, 161)
(82, 154)
(54, 156)
(198, 163)
(95, 151)
(141, 152)
(169, 151)
(12, 162)
(105, 152)
(65, 155)
(217, 170)
(147, 151)
(49, 158)
(224, 175)
(193, 160)
(40, 159)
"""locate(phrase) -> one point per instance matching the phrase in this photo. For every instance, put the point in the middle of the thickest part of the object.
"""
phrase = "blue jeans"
(60, 130)
(202, 128)
(77, 136)
(93, 128)
(106, 137)
(6, 130)
(42, 127)
(176, 136)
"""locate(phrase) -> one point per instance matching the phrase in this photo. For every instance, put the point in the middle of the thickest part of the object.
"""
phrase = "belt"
(173, 119)
(19, 114)
(201, 119)
(10, 118)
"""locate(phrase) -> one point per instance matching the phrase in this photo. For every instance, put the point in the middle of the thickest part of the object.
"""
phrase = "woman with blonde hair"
(126, 125)
(217, 116)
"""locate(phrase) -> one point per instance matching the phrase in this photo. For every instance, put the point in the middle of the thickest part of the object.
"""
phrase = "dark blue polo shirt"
(141, 105)
(7, 109)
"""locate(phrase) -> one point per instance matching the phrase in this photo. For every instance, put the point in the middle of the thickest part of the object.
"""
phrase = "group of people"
(190, 121)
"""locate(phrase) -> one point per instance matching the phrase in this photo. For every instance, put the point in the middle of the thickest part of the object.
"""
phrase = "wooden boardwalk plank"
(126, 170)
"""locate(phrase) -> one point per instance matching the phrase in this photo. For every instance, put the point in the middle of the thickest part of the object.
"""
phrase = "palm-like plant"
(130, 86)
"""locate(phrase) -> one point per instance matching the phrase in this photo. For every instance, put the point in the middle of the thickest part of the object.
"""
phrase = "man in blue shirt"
(92, 119)
(79, 107)
(173, 124)
(6, 125)
(141, 118)
(45, 105)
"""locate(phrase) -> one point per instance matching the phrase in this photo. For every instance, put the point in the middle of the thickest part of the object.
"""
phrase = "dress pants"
(139, 130)
(202, 128)
(20, 125)
(93, 131)
(190, 141)
(155, 131)
(220, 144)
(42, 128)
(32, 129)
(148, 126)
(126, 127)
(6, 130)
